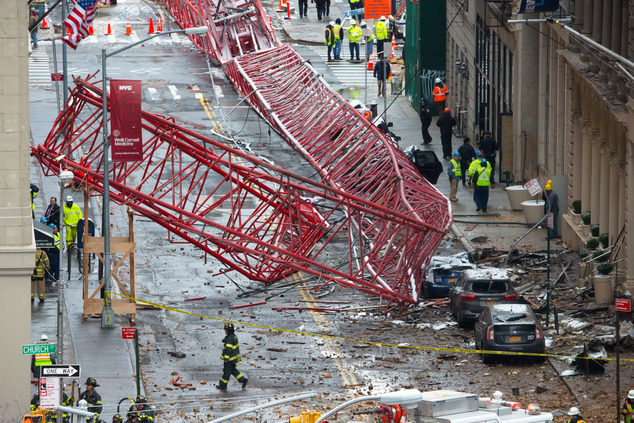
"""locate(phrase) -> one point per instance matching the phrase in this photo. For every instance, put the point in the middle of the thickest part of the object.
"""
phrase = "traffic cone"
(44, 24)
(393, 48)
(370, 65)
(151, 30)
(128, 28)
(159, 27)
(91, 31)
(67, 30)
(109, 32)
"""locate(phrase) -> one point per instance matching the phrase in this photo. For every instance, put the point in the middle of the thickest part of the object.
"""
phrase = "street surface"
(337, 354)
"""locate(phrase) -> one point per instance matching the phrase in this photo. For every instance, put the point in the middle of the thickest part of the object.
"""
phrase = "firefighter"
(91, 396)
(575, 416)
(231, 358)
(51, 416)
(139, 406)
(117, 418)
(42, 264)
(72, 216)
(628, 407)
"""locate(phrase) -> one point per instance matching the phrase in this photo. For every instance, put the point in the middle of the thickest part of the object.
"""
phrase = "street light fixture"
(405, 397)
(107, 315)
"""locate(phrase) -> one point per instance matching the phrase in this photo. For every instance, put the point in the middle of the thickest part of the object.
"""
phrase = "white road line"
(218, 91)
(197, 95)
(152, 92)
(174, 92)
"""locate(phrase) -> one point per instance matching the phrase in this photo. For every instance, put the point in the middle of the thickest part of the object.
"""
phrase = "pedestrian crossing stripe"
(39, 68)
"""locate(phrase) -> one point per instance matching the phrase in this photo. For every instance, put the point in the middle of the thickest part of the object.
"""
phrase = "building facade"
(17, 245)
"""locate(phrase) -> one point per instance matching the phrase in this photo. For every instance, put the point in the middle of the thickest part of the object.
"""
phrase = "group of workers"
(357, 34)
(47, 265)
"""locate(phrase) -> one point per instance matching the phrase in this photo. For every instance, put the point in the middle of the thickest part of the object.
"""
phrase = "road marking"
(174, 92)
(152, 92)
(197, 95)
(39, 68)
(218, 91)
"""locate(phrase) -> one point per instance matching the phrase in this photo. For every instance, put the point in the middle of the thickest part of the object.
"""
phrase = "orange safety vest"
(43, 360)
(440, 93)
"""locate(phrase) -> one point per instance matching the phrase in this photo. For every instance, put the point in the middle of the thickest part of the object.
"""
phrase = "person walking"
(356, 4)
(446, 123)
(381, 73)
(33, 18)
(44, 359)
(482, 182)
(368, 38)
(338, 29)
(467, 154)
(489, 148)
(425, 121)
(321, 8)
(354, 36)
(52, 212)
(628, 407)
(329, 38)
(303, 8)
(327, 7)
(440, 95)
(72, 215)
(91, 396)
(381, 36)
(454, 176)
(42, 264)
(575, 416)
(231, 358)
(551, 205)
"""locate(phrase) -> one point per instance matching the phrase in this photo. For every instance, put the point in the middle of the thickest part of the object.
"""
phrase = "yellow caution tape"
(359, 341)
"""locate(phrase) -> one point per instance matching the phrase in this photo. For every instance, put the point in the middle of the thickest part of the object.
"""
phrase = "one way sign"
(60, 370)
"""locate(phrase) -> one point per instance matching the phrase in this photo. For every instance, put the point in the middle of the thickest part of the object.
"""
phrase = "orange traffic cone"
(128, 28)
(91, 31)
(159, 27)
(109, 32)
(393, 48)
(44, 24)
(151, 30)
(370, 65)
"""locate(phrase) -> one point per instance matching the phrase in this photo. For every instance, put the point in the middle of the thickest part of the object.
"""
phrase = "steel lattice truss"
(247, 213)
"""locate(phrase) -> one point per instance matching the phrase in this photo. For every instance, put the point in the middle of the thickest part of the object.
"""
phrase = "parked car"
(442, 273)
(509, 327)
(478, 288)
(426, 162)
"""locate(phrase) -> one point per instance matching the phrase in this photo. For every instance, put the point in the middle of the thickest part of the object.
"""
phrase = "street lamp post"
(107, 315)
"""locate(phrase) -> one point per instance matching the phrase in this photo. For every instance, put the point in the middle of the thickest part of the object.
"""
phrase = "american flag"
(78, 21)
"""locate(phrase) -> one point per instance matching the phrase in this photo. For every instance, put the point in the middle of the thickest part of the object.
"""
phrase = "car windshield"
(510, 317)
(489, 287)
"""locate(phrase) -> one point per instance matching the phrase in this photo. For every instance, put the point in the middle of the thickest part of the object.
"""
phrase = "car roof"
(486, 273)
(503, 313)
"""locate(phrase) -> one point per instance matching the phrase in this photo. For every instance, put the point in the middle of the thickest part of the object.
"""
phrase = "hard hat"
(422, 100)
(69, 198)
(478, 153)
(549, 186)
(229, 327)
(92, 381)
(353, 22)
(456, 154)
(141, 399)
(382, 18)
(438, 81)
(631, 394)
(42, 219)
(483, 162)
(363, 23)
(43, 337)
(52, 225)
(332, 23)
(574, 411)
(447, 110)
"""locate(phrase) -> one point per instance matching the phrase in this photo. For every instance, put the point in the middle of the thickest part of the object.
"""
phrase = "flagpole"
(64, 54)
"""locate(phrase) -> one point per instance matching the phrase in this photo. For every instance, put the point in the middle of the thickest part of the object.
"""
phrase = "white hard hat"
(69, 198)
(630, 394)
(332, 23)
(574, 411)
(438, 81)
(382, 18)
(43, 337)
(353, 22)
(363, 23)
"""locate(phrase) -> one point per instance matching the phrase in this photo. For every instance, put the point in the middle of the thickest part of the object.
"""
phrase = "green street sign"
(38, 349)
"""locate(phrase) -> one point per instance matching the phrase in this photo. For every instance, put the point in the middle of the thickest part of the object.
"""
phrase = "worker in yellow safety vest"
(338, 29)
(72, 216)
(38, 360)
(575, 416)
(628, 407)
(354, 36)
(381, 36)
(455, 174)
(482, 182)
(329, 39)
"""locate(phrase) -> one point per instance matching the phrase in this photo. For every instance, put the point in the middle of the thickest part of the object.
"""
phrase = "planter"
(603, 293)
(576, 218)
(517, 194)
(533, 211)
(586, 230)
(584, 274)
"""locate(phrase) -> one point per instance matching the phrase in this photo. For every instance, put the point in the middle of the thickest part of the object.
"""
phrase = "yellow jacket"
(72, 215)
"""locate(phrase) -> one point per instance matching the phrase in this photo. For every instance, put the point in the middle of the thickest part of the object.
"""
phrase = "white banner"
(49, 392)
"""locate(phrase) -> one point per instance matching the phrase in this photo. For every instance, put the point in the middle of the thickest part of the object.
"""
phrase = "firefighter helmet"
(229, 327)
(117, 418)
(140, 400)
(92, 381)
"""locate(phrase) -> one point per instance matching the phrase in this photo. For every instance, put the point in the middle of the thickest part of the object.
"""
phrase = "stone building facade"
(17, 246)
